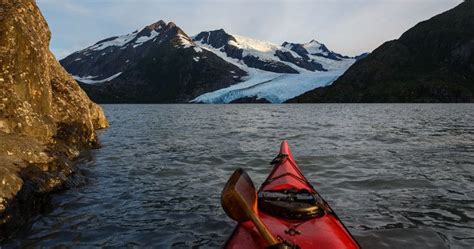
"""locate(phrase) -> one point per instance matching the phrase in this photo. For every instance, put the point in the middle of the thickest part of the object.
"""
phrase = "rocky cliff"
(431, 62)
(46, 120)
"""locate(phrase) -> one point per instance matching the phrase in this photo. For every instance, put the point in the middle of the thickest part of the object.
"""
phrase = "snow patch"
(314, 47)
(265, 51)
(222, 54)
(118, 42)
(184, 41)
(144, 39)
(253, 44)
(122, 41)
(93, 79)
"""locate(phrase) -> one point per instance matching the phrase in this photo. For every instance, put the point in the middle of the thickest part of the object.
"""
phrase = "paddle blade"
(239, 197)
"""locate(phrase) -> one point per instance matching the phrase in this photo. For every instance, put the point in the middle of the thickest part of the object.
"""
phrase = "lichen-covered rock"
(45, 117)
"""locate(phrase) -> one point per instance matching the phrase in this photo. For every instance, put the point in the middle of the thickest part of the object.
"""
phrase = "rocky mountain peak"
(151, 29)
(157, 25)
(315, 47)
(172, 30)
(314, 42)
(171, 25)
(161, 30)
(215, 38)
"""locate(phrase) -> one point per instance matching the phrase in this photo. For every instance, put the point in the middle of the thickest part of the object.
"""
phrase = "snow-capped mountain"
(255, 53)
(161, 63)
(158, 64)
(313, 48)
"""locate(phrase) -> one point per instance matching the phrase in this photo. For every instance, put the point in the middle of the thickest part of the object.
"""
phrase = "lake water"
(399, 176)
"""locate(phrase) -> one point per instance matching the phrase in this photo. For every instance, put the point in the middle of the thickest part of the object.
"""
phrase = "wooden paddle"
(239, 200)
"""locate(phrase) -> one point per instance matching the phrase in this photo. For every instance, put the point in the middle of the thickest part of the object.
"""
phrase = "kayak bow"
(293, 211)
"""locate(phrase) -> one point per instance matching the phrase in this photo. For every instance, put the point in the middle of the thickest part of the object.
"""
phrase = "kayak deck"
(321, 230)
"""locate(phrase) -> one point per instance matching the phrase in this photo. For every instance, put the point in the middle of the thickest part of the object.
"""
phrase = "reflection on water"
(399, 176)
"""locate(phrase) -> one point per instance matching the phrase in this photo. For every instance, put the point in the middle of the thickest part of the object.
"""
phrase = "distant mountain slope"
(159, 64)
(431, 62)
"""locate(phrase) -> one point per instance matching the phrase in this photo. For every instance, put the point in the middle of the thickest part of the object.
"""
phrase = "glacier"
(274, 87)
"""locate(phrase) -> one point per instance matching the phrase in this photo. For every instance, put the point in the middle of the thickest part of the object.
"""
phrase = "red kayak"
(293, 212)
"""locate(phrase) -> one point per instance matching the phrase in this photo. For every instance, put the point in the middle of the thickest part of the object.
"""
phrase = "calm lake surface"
(399, 176)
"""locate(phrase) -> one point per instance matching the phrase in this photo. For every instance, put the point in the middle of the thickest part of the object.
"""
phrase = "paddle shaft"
(263, 229)
(259, 224)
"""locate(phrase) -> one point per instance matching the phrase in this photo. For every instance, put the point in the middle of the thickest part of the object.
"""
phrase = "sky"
(349, 27)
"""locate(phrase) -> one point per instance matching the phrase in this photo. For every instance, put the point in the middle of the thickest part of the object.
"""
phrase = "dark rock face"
(431, 62)
(46, 119)
(220, 39)
(272, 66)
(324, 51)
(310, 65)
(217, 38)
(297, 48)
(159, 64)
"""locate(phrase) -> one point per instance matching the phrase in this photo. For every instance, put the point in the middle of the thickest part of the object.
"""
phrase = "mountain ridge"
(122, 69)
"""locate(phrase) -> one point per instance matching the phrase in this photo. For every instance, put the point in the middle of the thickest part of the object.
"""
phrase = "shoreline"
(31, 173)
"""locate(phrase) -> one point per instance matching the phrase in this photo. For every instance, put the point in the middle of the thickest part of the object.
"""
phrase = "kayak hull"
(323, 231)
